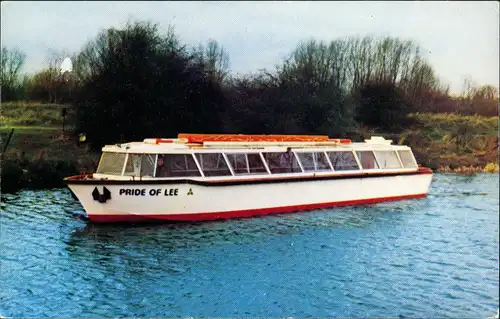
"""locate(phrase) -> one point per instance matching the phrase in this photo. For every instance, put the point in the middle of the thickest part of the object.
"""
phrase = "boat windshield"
(111, 163)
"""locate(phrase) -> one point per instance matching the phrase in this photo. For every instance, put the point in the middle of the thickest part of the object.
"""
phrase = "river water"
(432, 257)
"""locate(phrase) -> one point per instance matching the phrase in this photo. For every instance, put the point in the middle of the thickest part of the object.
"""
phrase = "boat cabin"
(197, 156)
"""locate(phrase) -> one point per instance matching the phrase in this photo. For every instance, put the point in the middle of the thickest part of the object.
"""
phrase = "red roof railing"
(200, 138)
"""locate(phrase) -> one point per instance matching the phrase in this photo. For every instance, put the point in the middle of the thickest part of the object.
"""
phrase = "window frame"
(266, 169)
(118, 173)
(248, 168)
(294, 155)
(124, 165)
(374, 157)
(200, 167)
(354, 155)
(413, 159)
(387, 168)
(315, 162)
(200, 173)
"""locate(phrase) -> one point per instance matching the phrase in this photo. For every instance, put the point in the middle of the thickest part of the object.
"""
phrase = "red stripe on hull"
(241, 213)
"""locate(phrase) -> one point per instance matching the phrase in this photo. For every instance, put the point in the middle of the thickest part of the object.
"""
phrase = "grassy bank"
(33, 113)
(454, 141)
(450, 142)
(40, 158)
(40, 155)
(489, 168)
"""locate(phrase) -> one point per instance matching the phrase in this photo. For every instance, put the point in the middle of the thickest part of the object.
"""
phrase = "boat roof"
(277, 143)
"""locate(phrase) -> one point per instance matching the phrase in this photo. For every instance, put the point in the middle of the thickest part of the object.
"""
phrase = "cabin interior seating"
(248, 163)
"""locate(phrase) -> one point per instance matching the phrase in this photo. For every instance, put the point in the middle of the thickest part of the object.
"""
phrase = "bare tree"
(486, 99)
(216, 60)
(57, 85)
(486, 92)
(11, 63)
(361, 61)
(317, 65)
(45, 85)
(338, 66)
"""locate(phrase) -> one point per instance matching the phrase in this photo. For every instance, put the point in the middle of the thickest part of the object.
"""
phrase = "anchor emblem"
(102, 198)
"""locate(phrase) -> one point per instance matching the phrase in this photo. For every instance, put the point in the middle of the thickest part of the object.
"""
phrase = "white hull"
(198, 201)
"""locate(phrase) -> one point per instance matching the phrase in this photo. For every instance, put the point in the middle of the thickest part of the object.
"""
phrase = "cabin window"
(148, 164)
(314, 161)
(213, 164)
(407, 159)
(140, 165)
(387, 159)
(343, 161)
(238, 163)
(246, 163)
(367, 159)
(133, 166)
(256, 165)
(280, 163)
(176, 165)
(111, 163)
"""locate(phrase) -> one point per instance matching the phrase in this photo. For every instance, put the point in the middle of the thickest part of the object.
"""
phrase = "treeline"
(137, 82)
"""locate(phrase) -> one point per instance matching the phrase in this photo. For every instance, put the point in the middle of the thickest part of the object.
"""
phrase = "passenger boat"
(217, 176)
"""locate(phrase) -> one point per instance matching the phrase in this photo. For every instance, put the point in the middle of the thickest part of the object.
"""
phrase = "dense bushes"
(385, 106)
(12, 178)
(143, 84)
(39, 174)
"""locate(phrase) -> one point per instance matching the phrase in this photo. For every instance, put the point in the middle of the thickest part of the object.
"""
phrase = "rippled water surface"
(432, 257)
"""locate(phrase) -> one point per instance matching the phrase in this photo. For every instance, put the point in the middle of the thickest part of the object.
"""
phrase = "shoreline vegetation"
(489, 168)
(139, 81)
(40, 155)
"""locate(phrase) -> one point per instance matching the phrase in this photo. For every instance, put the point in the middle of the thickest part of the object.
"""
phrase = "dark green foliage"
(146, 86)
(260, 106)
(36, 174)
(384, 106)
(48, 174)
(11, 176)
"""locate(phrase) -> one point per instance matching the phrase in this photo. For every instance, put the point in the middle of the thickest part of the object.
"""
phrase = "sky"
(460, 39)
